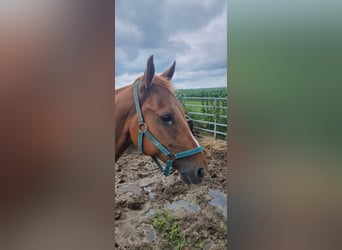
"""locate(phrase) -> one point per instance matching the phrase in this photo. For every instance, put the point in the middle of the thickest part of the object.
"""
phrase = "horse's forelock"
(158, 83)
(164, 83)
(159, 86)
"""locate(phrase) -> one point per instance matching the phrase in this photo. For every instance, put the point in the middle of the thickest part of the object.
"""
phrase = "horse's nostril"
(200, 173)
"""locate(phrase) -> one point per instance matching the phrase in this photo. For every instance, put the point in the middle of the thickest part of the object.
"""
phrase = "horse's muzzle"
(193, 176)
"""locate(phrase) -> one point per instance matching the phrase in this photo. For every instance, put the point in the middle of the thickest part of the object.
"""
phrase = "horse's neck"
(123, 110)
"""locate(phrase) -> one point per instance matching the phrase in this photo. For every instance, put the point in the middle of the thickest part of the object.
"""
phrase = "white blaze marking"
(194, 139)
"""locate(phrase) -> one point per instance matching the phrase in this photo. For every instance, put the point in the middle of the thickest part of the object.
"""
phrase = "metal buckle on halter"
(171, 157)
(144, 126)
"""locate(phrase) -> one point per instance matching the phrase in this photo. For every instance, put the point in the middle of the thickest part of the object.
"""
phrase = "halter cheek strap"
(143, 130)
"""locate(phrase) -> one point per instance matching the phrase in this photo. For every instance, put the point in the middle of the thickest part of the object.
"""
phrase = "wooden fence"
(209, 114)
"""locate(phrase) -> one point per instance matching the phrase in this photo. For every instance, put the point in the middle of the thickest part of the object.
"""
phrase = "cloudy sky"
(192, 32)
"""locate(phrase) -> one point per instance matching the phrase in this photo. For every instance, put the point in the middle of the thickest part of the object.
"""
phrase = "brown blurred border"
(57, 127)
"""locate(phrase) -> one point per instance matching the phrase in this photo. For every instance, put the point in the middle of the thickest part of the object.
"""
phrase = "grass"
(168, 225)
(223, 227)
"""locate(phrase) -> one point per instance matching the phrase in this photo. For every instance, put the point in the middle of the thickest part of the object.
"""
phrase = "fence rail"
(203, 98)
(212, 115)
(209, 114)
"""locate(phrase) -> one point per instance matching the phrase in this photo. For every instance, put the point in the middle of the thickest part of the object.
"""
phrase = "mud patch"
(142, 191)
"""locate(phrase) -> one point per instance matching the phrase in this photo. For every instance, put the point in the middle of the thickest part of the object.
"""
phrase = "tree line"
(203, 92)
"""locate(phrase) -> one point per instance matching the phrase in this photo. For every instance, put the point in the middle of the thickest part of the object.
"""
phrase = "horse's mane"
(117, 91)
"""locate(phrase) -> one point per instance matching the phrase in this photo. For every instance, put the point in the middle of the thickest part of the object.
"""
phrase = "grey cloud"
(171, 30)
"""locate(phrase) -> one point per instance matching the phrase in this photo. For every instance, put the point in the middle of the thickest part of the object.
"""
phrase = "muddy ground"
(142, 191)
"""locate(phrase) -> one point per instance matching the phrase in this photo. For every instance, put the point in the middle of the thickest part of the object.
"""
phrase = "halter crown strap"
(140, 117)
(143, 130)
(137, 102)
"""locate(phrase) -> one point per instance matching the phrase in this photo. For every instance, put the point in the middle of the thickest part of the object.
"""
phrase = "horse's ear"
(169, 72)
(149, 73)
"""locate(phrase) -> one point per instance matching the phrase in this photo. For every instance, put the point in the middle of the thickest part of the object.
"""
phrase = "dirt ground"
(142, 191)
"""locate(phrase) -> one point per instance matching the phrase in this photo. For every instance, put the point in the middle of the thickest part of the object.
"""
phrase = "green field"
(213, 110)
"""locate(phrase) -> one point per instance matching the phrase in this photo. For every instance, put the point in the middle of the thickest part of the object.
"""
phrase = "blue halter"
(143, 130)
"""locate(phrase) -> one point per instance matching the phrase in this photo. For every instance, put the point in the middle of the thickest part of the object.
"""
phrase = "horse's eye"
(167, 119)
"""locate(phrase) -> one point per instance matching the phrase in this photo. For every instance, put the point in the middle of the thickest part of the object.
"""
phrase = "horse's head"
(165, 120)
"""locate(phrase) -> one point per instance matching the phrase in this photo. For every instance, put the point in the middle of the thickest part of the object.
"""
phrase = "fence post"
(180, 99)
(215, 127)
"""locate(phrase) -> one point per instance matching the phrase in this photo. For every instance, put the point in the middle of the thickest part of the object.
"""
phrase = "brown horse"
(148, 115)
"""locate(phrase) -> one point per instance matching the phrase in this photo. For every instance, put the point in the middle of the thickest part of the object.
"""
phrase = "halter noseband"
(143, 130)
